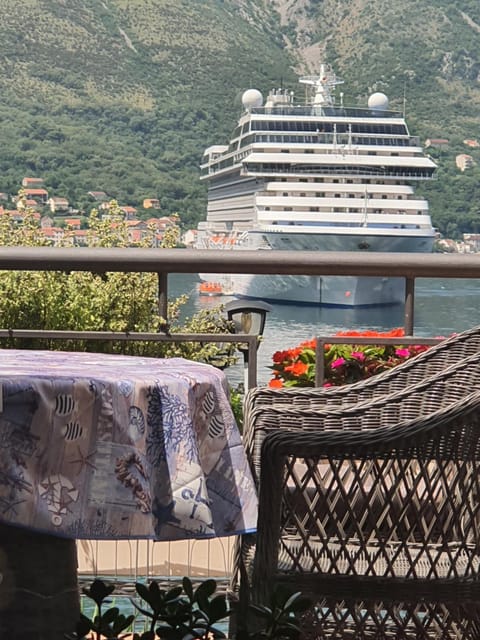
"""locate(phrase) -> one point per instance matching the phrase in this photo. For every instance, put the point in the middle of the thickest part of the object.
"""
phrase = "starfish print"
(84, 460)
(10, 506)
(48, 489)
(65, 500)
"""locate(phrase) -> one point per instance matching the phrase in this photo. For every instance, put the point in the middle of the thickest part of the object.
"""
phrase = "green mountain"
(122, 96)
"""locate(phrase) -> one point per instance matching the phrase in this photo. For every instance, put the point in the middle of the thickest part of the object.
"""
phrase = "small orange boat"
(210, 289)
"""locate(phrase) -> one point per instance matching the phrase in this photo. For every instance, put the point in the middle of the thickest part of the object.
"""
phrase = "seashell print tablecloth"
(106, 446)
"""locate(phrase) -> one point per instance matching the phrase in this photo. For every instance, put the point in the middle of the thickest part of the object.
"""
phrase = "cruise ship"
(316, 175)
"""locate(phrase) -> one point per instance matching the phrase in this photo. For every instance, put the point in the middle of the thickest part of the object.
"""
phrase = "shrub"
(84, 301)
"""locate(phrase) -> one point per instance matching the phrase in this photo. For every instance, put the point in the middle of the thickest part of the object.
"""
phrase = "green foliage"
(84, 301)
(279, 618)
(126, 95)
(190, 612)
(237, 396)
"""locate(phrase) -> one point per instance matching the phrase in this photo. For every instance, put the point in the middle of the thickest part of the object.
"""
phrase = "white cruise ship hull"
(333, 291)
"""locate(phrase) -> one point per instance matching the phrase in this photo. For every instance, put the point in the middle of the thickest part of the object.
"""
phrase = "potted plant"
(343, 363)
(187, 612)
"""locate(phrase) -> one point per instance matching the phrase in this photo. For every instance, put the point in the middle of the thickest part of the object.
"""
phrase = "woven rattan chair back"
(433, 392)
(376, 517)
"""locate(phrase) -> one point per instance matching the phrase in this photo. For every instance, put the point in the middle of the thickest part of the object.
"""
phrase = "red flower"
(275, 383)
(297, 368)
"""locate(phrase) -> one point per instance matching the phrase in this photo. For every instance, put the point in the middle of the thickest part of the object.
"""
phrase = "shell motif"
(64, 404)
(216, 428)
(72, 431)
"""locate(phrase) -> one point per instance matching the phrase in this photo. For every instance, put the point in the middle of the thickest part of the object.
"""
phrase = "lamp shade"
(247, 317)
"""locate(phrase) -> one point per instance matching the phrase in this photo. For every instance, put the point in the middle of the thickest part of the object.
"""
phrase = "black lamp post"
(248, 318)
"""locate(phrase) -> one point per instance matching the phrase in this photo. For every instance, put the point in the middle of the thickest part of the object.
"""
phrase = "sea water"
(442, 307)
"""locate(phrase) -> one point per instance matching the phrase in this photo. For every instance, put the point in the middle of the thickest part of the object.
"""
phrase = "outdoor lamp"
(248, 318)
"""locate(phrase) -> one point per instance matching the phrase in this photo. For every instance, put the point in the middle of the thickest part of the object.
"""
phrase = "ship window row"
(328, 127)
(324, 138)
(333, 112)
(272, 167)
(300, 210)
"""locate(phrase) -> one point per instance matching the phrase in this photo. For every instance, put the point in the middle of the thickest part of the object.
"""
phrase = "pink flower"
(338, 363)
(358, 355)
(402, 353)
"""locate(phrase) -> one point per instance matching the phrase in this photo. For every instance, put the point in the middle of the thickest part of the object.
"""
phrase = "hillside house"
(189, 237)
(464, 161)
(3, 196)
(80, 237)
(46, 222)
(471, 242)
(436, 143)
(54, 234)
(39, 195)
(73, 223)
(130, 212)
(474, 144)
(58, 205)
(32, 183)
(163, 222)
(151, 203)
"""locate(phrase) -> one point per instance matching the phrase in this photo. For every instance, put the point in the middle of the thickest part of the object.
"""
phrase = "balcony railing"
(168, 261)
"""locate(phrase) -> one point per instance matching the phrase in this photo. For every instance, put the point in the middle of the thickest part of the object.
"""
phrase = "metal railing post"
(163, 298)
(250, 361)
(409, 305)
(319, 362)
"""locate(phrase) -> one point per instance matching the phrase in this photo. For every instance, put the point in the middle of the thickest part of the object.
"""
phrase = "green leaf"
(98, 591)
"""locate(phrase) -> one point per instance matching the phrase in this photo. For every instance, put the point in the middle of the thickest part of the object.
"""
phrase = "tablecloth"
(106, 446)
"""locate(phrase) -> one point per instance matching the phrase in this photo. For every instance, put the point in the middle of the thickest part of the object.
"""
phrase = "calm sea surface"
(442, 307)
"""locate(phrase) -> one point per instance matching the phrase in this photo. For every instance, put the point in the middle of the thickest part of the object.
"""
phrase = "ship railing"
(164, 262)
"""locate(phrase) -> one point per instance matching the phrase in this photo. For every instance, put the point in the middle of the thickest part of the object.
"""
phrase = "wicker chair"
(381, 527)
(433, 394)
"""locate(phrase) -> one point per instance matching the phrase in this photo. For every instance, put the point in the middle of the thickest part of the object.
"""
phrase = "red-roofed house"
(32, 182)
(130, 212)
(73, 223)
(39, 195)
(54, 234)
(436, 143)
(80, 237)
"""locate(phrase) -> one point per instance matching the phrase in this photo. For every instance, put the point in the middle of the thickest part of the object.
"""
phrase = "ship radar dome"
(378, 101)
(252, 98)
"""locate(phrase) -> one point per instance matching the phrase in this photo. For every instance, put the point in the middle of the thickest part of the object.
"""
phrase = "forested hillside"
(123, 95)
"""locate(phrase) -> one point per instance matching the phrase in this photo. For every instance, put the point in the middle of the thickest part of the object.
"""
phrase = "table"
(104, 446)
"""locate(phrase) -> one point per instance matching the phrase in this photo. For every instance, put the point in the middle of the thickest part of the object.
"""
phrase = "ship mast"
(323, 86)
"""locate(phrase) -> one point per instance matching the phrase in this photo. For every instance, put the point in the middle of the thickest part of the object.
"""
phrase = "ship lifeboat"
(210, 289)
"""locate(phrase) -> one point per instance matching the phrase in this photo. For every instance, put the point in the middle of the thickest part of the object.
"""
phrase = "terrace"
(133, 559)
